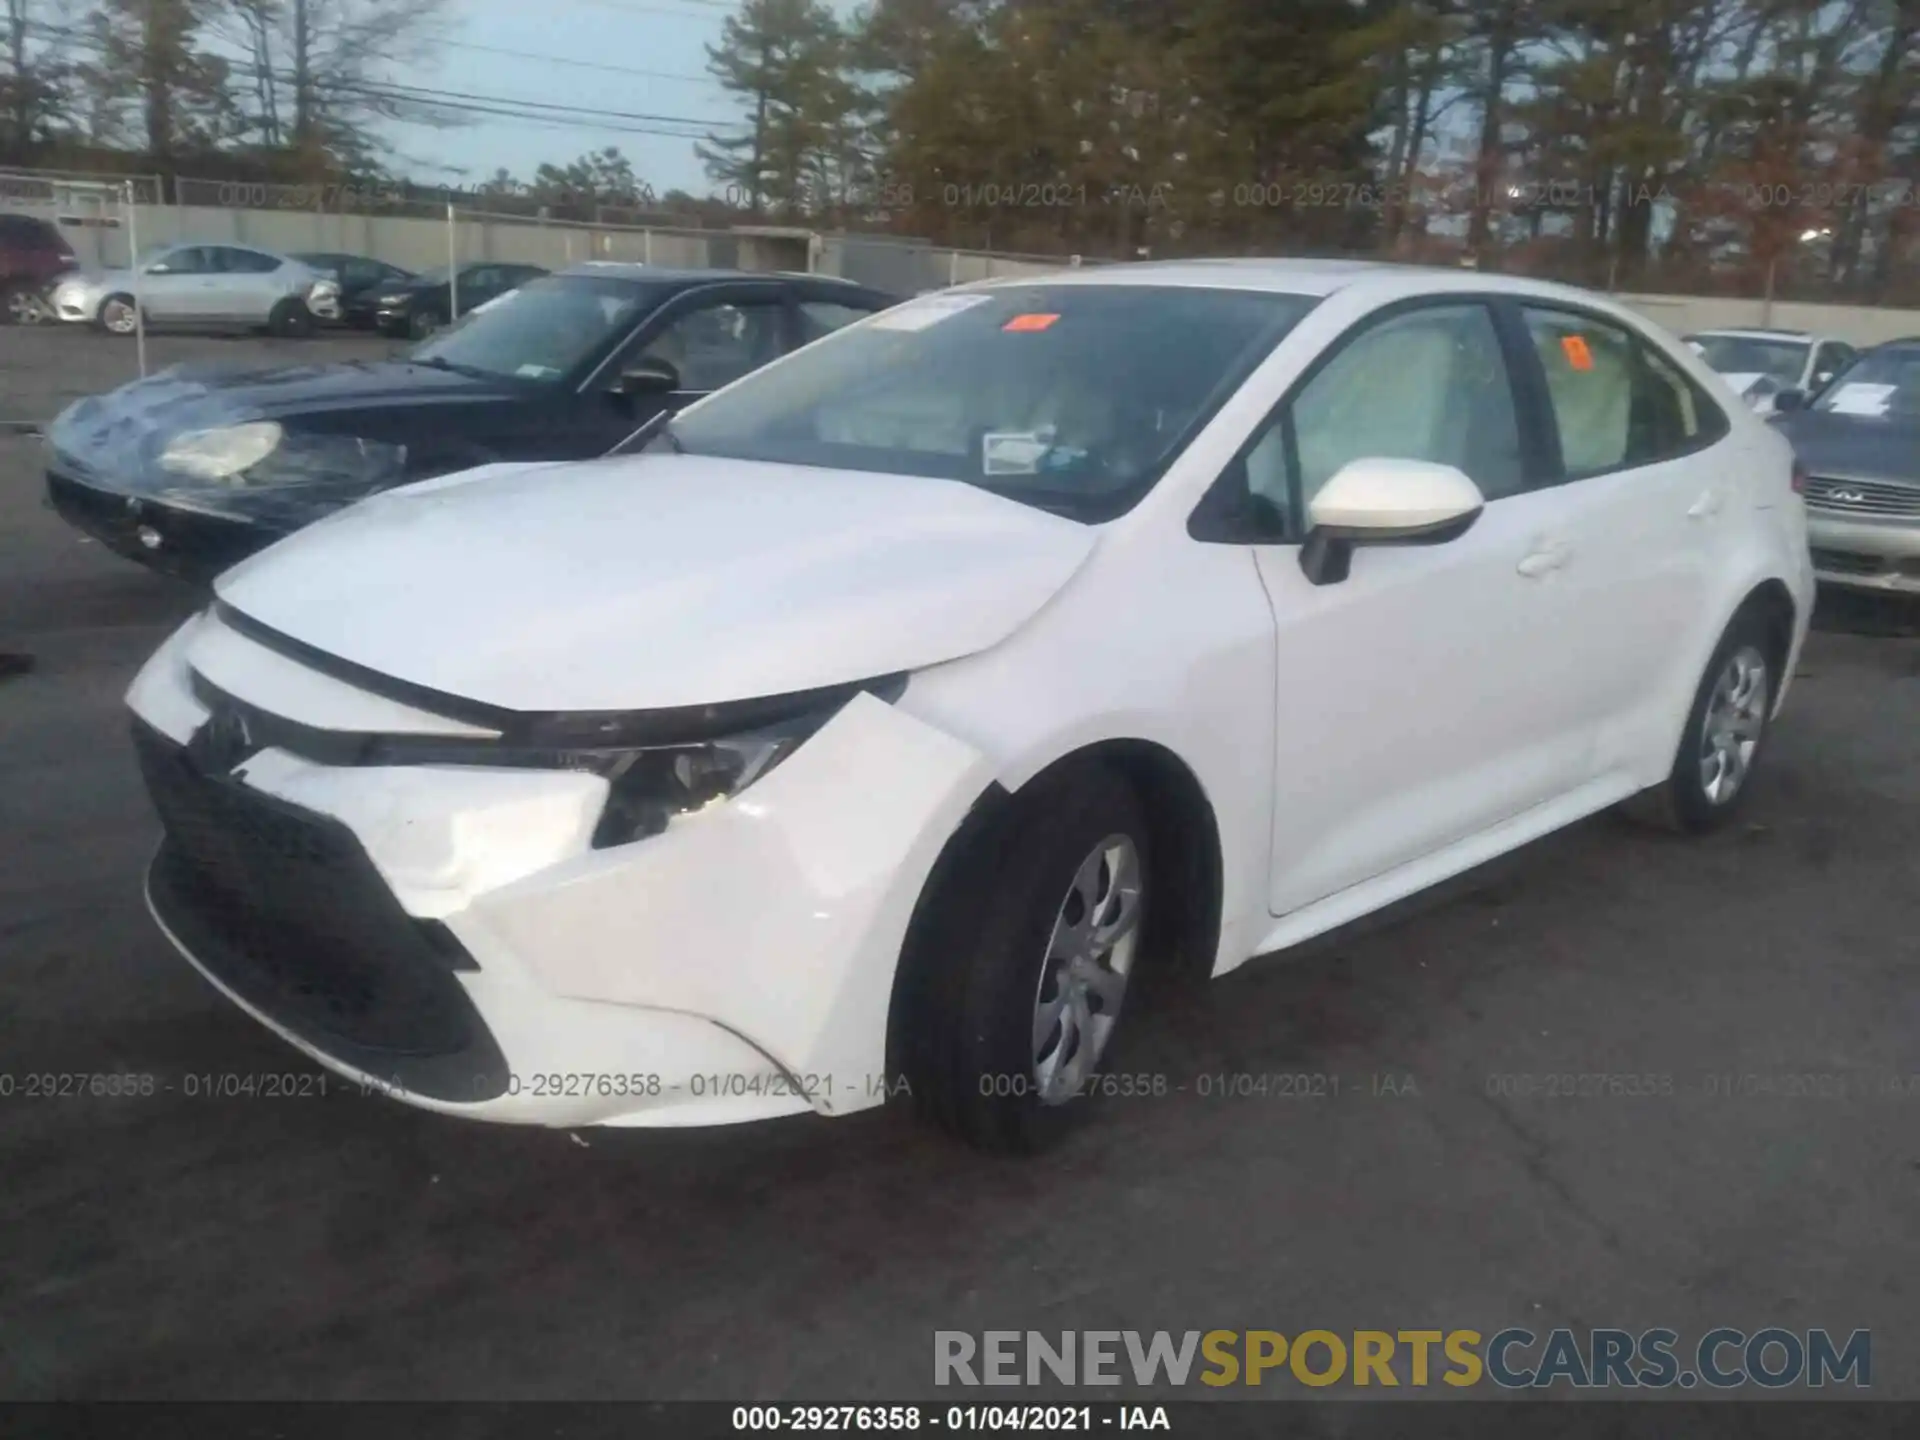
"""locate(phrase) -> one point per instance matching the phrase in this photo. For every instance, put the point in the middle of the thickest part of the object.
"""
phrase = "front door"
(1418, 700)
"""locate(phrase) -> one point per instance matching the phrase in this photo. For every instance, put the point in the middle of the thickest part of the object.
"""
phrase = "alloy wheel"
(118, 317)
(1084, 980)
(1736, 716)
(24, 308)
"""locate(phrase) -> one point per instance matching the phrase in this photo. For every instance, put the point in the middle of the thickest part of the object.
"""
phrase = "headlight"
(649, 785)
(391, 300)
(221, 454)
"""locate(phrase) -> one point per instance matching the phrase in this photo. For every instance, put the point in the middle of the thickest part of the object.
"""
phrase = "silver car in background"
(226, 287)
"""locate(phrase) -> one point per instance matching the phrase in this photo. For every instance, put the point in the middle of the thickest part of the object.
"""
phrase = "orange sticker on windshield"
(1021, 324)
(1577, 353)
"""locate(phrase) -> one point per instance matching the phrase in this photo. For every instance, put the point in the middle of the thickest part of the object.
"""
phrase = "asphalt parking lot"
(181, 1246)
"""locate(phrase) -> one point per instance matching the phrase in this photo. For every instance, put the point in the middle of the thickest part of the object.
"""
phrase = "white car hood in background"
(645, 582)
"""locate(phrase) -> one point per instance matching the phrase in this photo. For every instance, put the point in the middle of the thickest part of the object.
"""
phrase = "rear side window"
(820, 318)
(1617, 401)
(246, 262)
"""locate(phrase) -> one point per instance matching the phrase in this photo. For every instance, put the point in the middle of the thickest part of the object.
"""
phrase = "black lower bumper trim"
(192, 546)
(283, 908)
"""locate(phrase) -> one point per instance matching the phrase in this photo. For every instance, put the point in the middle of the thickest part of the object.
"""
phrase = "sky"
(665, 38)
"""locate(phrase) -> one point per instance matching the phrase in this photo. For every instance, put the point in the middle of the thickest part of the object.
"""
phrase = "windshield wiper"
(440, 362)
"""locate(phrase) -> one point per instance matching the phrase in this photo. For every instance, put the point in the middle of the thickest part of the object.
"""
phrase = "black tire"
(112, 306)
(1682, 802)
(977, 960)
(290, 320)
(422, 323)
(20, 306)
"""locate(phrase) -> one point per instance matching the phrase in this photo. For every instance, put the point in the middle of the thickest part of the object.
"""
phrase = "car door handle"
(1708, 504)
(1546, 557)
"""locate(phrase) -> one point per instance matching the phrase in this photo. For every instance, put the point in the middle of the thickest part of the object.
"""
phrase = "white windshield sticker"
(536, 372)
(927, 310)
(1858, 399)
(1013, 452)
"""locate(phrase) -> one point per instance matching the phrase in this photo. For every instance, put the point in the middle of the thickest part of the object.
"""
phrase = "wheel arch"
(1184, 916)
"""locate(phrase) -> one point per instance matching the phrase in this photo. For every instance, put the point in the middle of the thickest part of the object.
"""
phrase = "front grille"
(1863, 497)
(283, 906)
(1842, 562)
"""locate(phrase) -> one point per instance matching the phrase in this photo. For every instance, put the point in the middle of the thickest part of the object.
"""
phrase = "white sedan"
(874, 725)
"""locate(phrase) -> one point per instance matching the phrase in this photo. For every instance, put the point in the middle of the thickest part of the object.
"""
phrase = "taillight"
(1799, 478)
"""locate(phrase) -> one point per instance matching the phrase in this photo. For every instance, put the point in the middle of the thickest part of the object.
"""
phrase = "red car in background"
(33, 253)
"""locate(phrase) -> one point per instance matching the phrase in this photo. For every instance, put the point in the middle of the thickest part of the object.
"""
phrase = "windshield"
(1778, 360)
(1881, 382)
(1074, 398)
(543, 331)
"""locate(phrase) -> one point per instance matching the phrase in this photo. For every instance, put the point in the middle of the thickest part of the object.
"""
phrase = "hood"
(1858, 447)
(653, 581)
(114, 438)
(335, 447)
(1742, 380)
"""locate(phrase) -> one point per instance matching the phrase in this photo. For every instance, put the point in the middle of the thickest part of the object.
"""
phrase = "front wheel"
(422, 323)
(118, 315)
(1725, 733)
(1027, 958)
(24, 307)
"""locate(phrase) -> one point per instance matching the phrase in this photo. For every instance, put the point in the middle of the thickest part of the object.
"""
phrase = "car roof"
(1310, 277)
(672, 275)
(1754, 332)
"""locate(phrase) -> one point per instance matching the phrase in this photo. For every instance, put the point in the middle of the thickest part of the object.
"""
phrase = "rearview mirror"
(1380, 501)
(1789, 400)
(648, 376)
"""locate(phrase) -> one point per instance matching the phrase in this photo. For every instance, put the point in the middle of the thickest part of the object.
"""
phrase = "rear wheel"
(1725, 733)
(118, 315)
(1023, 962)
(290, 320)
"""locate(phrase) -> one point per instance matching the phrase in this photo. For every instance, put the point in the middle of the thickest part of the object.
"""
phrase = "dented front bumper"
(737, 966)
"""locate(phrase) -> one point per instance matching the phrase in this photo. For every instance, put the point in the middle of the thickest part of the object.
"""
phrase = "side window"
(1617, 402)
(719, 342)
(1832, 358)
(1429, 384)
(181, 262)
(819, 318)
(248, 262)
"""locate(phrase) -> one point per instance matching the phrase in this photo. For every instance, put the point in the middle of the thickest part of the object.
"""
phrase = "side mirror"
(1789, 400)
(648, 376)
(1380, 501)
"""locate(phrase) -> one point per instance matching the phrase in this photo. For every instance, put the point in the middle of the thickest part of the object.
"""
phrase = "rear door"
(1648, 496)
(249, 285)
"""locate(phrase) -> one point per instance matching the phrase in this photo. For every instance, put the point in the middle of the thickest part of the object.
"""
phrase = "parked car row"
(877, 722)
(229, 286)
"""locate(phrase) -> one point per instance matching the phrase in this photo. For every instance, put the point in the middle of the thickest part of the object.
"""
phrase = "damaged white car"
(881, 720)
